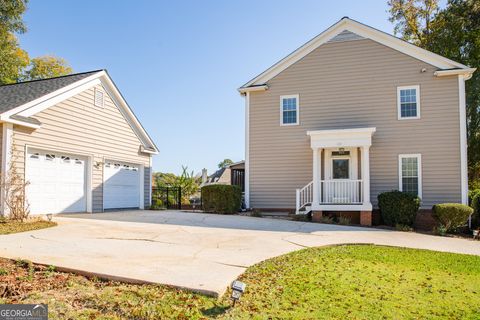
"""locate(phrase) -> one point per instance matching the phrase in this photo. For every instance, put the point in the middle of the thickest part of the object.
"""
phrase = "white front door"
(121, 187)
(56, 182)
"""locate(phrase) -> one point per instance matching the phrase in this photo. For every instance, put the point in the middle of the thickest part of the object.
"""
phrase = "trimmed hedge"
(220, 198)
(451, 216)
(398, 207)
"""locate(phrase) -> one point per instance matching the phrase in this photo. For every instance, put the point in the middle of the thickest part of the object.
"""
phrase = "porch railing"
(341, 191)
(304, 197)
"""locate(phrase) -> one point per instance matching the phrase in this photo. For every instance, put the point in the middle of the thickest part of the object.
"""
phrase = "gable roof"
(16, 94)
(353, 30)
(20, 101)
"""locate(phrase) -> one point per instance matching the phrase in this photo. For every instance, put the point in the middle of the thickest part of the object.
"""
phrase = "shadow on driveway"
(193, 219)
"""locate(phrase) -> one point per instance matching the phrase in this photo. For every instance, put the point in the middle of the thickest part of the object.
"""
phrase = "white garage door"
(57, 182)
(121, 188)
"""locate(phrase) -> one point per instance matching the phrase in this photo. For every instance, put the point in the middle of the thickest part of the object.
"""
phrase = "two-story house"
(352, 113)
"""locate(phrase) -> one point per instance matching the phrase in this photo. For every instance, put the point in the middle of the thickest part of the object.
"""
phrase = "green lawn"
(10, 226)
(343, 282)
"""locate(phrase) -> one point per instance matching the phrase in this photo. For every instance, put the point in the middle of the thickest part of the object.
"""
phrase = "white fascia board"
(49, 96)
(118, 99)
(144, 150)
(49, 102)
(364, 31)
(101, 77)
(21, 123)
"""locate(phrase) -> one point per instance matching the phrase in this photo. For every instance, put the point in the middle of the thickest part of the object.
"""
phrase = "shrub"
(402, 227)
(451, 216)
(256, 213)
(224, 199)
(475, 204)
(326, 219)
(398, 207)
(343, 220)
(471, 195)
(157, 204)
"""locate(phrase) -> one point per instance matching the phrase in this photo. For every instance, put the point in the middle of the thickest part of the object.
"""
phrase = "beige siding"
(77, 126)
(354, 84)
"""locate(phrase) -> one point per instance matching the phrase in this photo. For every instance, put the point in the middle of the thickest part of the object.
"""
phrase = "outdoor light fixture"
(238, 288)
(49, 217)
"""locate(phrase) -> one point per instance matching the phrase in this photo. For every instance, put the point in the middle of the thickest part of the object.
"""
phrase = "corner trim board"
(463, 139)
(247, 150)
(7, 141)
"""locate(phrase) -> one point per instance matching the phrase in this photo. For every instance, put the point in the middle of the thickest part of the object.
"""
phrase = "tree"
(453, 32)
(47, 67)
(414, 19)
(13, 60)
(15, 63)
(225, 163)
(11, 12)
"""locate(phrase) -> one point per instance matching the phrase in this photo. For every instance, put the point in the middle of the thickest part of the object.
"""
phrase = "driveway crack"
(294, 243)
(231, 265)
(136, 239)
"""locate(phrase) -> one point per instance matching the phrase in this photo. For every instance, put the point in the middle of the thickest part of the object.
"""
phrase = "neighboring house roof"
(216, 175)
(238, 165)
(20, 101)
(344, 29)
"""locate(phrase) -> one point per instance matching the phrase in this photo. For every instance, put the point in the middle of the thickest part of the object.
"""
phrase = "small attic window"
(99, 98)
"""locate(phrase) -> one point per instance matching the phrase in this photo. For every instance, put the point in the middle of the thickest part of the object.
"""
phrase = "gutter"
(467, 73)
(261, 87)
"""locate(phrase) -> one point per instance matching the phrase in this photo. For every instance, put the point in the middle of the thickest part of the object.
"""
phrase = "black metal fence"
(167, 198)
(238, 178)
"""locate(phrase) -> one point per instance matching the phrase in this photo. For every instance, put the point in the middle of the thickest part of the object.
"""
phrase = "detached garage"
(77, 144)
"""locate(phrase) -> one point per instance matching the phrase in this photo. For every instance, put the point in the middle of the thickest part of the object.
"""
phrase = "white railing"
(341, 191)
(304, 197)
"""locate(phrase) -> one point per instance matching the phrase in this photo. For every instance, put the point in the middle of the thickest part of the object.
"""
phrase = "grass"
(343, 282)
(11, 226)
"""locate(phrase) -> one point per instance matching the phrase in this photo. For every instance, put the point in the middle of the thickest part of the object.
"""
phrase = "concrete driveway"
(202, 252)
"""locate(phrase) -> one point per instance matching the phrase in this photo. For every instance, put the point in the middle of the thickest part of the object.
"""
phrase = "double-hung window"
(289, 106)
(410, 173)
(408, 102)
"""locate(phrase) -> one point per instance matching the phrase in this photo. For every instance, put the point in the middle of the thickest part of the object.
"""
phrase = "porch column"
(366, 174)
(316, 176)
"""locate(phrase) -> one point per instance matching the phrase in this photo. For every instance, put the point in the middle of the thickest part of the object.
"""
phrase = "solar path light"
(238, 288)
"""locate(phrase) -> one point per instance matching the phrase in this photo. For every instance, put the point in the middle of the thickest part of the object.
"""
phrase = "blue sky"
(179, 63)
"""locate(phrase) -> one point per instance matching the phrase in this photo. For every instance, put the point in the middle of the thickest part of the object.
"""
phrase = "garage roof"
(17, 94)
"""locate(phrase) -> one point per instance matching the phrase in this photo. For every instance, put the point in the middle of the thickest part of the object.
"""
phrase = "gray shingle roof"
(17, 94)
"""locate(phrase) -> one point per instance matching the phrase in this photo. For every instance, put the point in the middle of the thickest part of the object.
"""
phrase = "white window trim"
(419, 169)
(95, 98)
(296, 96)
(417, 98)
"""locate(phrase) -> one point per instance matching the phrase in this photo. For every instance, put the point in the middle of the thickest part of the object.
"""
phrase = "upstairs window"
(99, 98)
(408, 100)
(410, 173)
(289, 110)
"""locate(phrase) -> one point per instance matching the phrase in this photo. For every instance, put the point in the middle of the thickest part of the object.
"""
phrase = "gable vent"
(99, 98)
(346, 35)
